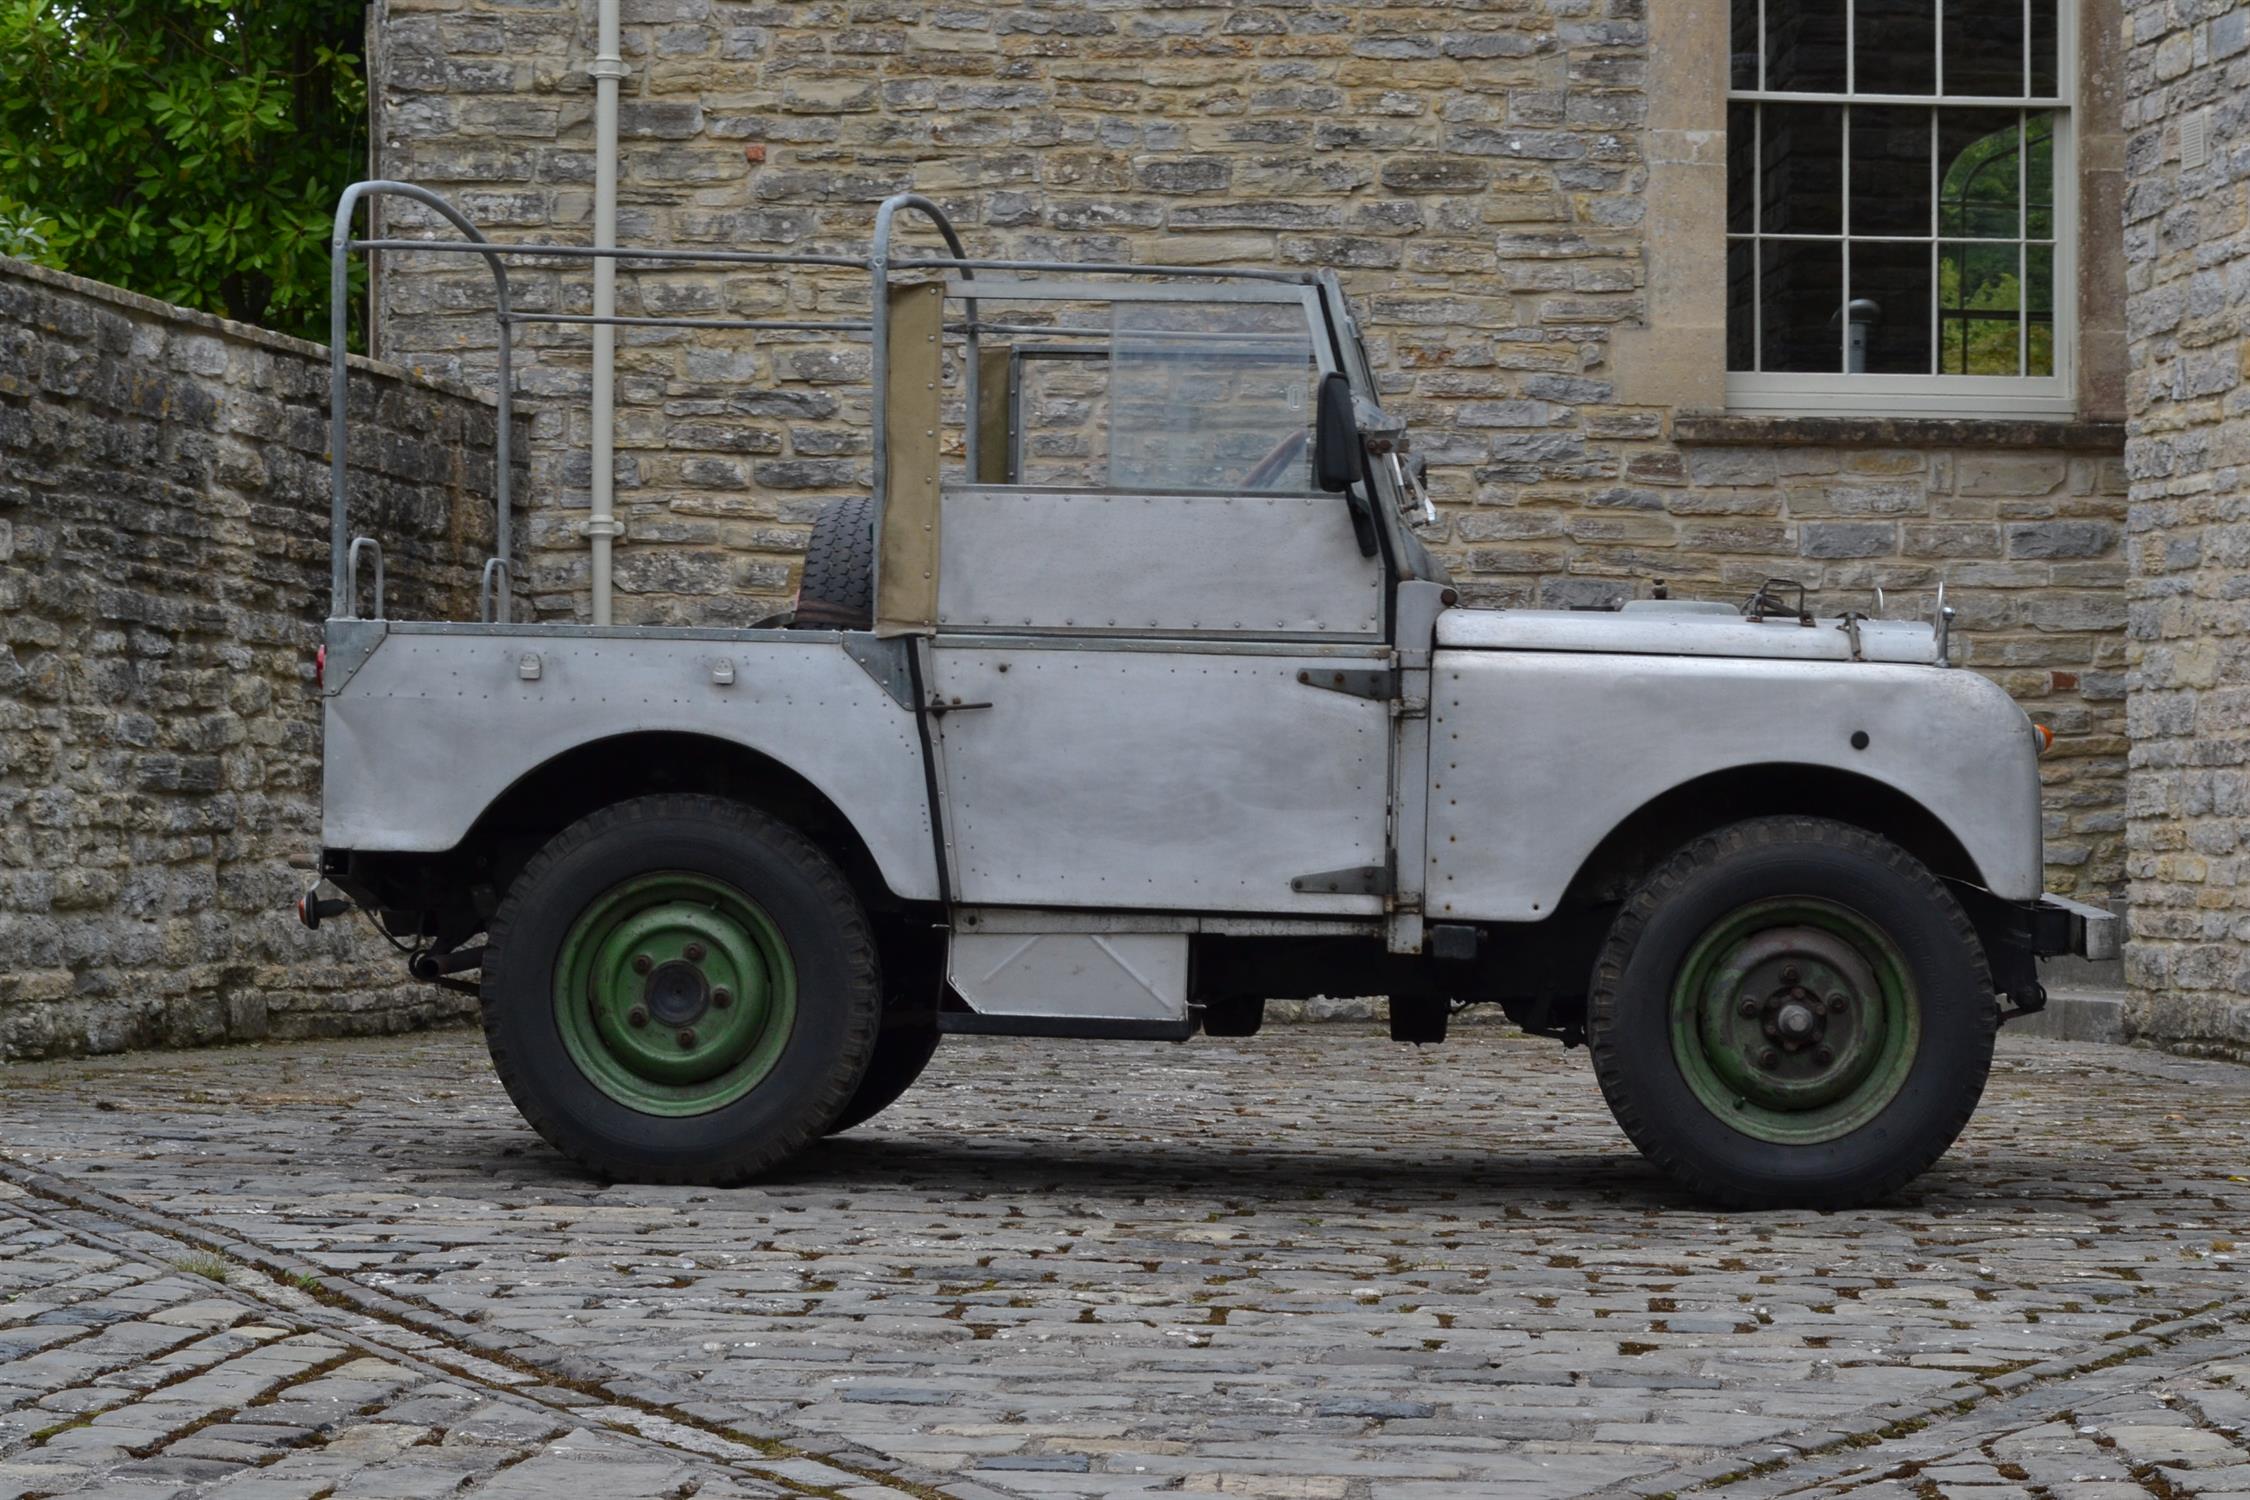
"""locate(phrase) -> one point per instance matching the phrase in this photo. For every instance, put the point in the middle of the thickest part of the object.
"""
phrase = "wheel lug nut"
(1823, 1056)
(687, 1036)
(1749, 1007)
(1836, 1003)
(1768, 1058)
(720, 999)
(637, 1016)
(642, 963)
(695, 953)
(1789, 974)
(1771, 1029)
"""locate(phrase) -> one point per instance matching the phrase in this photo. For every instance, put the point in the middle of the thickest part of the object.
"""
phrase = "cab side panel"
(1536, 756)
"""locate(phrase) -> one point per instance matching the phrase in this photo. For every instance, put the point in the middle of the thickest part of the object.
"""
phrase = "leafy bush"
(188, 149)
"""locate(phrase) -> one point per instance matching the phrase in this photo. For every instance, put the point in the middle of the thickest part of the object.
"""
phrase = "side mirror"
(1336, 459)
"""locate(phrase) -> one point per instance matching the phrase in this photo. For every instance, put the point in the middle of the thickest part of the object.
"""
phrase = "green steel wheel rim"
(1795, 1020)
(674, 993)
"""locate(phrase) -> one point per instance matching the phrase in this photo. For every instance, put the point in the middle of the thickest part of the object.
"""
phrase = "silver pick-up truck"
(1130, 699)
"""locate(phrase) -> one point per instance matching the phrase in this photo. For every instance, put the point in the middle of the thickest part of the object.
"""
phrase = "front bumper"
(2061, 926)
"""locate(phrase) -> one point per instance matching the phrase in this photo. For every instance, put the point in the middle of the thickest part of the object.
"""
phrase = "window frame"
(1819, 393)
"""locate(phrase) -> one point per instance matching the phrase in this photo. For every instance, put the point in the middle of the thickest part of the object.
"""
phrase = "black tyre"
(680, 989)
(1792, 1011)
(836, 591)
(901, 1053)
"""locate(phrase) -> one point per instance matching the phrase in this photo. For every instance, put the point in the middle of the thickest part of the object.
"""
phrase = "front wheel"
(680, 989)
(1792, 1011)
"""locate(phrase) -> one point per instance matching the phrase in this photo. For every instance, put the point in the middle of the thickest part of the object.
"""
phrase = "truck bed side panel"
(1536, 756)
(434, 726)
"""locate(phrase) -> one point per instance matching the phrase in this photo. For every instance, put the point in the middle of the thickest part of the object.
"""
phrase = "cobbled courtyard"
(1311, 1264)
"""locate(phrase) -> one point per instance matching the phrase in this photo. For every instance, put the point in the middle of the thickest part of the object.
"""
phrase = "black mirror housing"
(1335, 435)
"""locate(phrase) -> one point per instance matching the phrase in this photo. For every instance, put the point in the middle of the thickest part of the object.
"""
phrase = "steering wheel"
(1277, 462)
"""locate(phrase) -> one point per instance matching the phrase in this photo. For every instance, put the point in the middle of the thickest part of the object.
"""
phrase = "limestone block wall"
(2188, 314)
(163, 571)
(1479, 173)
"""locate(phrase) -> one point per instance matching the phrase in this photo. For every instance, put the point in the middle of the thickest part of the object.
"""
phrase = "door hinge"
(1358, 682)
(1353, 880)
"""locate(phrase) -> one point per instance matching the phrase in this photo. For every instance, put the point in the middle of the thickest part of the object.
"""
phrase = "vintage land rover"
(1128, 700)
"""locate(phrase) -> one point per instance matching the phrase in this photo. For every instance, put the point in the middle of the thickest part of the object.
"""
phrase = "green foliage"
(188, 149)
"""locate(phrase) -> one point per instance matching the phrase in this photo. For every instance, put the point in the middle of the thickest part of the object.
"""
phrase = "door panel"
(1203, 780)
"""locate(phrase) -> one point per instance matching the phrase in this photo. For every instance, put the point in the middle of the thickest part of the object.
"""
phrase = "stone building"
(1605, 250)
(2187, 247)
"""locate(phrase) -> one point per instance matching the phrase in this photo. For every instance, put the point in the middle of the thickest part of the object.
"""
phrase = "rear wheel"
(1792, 1011)
(679, 989)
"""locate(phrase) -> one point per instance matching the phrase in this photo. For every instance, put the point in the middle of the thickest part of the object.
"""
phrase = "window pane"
(2039, 177)
(1804, 300)
(1742, 305)
(1978, 158)
(2039, 309)
(1890, 169)
(1805, 45)
(1979, 298)
(1894, 46)
(1890, 307)
(1210, 396)
(1742, 162)
(1742, 66)
(1803, 157)
(2046, 69)
(1984, 47)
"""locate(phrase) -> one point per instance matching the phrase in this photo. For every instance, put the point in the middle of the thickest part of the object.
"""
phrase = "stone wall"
(163, 569)
(1479, 174)
(2188, 313)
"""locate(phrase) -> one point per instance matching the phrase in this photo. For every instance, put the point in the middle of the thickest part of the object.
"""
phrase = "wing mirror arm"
(1339, 458)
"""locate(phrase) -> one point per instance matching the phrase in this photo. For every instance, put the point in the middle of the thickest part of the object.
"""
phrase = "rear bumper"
(2061, 926)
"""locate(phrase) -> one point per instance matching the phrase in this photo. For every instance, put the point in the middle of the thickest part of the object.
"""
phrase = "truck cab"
(1130, 698)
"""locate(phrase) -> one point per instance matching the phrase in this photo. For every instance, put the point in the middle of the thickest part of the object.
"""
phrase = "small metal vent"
(2195, 138)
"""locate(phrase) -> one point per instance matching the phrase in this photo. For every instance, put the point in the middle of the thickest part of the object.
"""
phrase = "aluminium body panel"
(1107, 975)
(1688, 629)
(1094, 562)
(436, 723)
(1537, 755)
(1186, 780)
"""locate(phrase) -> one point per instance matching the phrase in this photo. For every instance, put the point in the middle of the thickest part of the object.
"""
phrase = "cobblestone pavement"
(1311, 1264)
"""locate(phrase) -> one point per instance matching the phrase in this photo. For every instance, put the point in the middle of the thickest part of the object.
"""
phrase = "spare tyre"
(837, 588)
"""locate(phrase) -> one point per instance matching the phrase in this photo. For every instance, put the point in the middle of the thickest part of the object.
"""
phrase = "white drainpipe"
(601, 523)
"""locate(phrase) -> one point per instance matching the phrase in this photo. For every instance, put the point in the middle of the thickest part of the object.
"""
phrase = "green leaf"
(145, 142)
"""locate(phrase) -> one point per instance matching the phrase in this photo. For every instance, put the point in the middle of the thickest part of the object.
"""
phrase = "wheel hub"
(675, 993)
(1794, 1019)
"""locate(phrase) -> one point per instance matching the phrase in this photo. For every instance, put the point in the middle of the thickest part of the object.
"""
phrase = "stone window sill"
(1741, 430)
